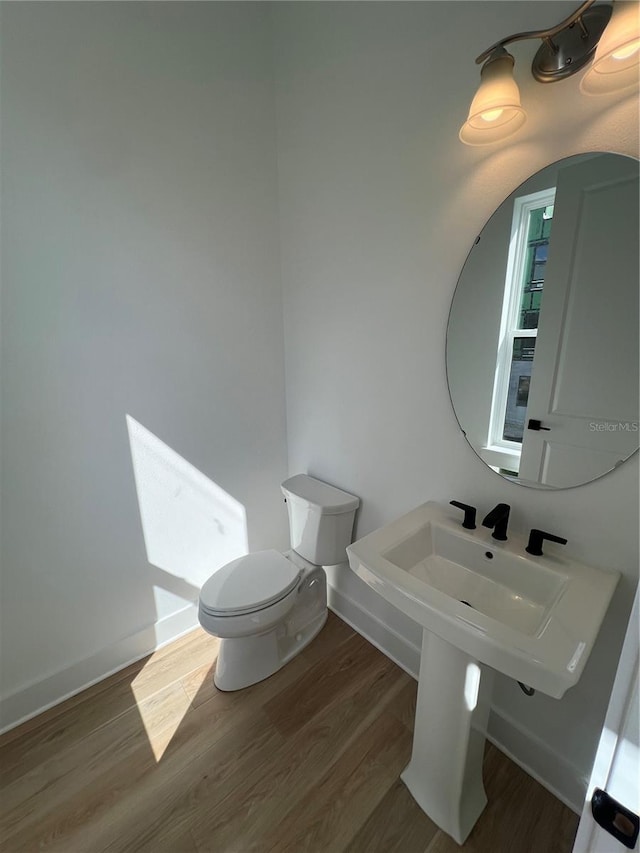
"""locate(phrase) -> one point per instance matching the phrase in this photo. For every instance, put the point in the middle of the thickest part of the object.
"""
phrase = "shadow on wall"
(191, 526)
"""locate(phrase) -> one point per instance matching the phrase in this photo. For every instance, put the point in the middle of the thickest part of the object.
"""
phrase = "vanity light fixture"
(496, 111)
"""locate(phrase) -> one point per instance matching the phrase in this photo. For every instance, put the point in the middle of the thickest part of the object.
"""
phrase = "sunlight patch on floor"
(161, 713)
(166, 686)
(191, 527)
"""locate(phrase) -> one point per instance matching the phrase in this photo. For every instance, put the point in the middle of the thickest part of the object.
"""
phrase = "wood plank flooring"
(156, 759)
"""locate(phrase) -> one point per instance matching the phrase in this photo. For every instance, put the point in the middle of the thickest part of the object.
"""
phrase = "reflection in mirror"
(542, 341)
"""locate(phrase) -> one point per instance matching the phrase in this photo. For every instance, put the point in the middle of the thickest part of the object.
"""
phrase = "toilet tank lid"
(328, 499)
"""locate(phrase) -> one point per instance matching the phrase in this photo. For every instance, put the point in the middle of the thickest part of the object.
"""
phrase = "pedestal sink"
(483, 606)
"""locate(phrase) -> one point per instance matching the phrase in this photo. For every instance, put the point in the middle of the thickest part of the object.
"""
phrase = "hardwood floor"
(154, 758)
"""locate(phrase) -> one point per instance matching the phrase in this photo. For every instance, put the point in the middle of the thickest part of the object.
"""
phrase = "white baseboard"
(40, 695)
(396, 647)
(559, 776)
(518, 743)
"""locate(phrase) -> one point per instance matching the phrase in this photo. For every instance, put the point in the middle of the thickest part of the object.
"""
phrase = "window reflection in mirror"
(524, 282)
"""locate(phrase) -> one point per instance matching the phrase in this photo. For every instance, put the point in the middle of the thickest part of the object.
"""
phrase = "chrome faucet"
(498, 518)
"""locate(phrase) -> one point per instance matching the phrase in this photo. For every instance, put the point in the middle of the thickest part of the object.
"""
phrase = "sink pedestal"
(444, 775)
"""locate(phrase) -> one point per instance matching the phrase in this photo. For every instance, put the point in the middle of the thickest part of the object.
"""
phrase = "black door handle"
(615, 818)
(537, 425)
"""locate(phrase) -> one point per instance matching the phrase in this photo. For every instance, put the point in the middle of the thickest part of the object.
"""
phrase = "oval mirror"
(542, 340)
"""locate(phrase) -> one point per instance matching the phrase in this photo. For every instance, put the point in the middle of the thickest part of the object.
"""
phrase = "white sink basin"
(484, 605)
(532, 618)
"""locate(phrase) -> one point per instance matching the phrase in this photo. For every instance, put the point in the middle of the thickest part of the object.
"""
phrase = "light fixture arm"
(605, 34)
(545, 35)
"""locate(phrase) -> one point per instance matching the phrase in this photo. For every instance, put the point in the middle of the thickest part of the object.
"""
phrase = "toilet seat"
(248, 584)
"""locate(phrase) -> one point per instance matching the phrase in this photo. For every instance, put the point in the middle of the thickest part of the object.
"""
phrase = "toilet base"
(243, 661)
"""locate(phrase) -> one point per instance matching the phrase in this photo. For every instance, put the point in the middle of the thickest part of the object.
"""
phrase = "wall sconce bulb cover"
(496, 112)
(616, 64)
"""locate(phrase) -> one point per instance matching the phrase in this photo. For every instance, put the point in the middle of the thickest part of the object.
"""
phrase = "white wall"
(140, 276)
(380, 204)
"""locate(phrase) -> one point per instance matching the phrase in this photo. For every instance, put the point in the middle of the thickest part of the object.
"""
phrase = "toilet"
(267, 606)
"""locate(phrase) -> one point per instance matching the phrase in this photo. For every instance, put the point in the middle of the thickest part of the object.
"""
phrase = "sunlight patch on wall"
(191, 526)
(623, 781)
(618, 757)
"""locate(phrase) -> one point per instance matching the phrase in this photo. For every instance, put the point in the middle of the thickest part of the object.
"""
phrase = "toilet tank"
(320, 519)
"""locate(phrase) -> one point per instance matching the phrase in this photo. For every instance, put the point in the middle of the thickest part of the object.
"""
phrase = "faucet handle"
(537, 537)
(469, 514)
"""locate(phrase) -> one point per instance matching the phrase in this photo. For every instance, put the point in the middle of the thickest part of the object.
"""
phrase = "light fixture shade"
(616, 64)
(496, 111)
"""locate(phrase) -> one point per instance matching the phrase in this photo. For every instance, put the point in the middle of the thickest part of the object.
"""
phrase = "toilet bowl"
(267, 606)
